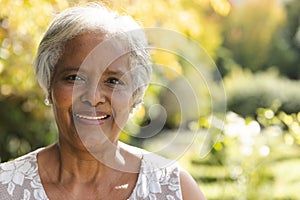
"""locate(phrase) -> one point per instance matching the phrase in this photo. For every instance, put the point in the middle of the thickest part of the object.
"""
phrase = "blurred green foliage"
(249, 32)
(262, 34)
(253, 158)
(247, 91)
(21, 129)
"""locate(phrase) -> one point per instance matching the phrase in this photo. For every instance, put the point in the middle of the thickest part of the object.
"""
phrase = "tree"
(249, 32)
(285, 49)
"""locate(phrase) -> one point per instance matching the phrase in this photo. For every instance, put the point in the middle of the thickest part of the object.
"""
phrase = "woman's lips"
(92, 119)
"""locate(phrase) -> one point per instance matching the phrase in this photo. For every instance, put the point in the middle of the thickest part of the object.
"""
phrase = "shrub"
(246, 92)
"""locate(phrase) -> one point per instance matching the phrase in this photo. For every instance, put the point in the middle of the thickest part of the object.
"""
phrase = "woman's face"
(91, 91)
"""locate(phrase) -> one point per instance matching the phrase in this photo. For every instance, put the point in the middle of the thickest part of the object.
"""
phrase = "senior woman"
(94, 67)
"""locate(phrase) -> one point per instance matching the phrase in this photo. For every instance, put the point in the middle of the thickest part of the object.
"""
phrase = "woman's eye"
(74, 77)
(114, 81)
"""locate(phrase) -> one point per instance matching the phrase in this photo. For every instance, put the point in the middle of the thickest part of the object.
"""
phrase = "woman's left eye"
(114, 81)
(74, 77)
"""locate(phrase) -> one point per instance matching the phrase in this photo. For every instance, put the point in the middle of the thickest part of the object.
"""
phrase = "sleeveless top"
(157, 179)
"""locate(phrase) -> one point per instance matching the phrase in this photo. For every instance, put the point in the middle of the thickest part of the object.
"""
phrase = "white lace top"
(157, 180)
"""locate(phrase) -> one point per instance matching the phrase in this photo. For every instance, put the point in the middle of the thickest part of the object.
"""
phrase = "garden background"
(256, 47)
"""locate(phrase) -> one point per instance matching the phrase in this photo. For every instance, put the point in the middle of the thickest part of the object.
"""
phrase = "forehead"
(92, 50)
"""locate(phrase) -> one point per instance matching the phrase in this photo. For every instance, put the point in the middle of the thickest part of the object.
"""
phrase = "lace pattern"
(19, 179)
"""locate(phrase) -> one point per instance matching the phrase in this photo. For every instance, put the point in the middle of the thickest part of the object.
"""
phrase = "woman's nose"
(93, 95)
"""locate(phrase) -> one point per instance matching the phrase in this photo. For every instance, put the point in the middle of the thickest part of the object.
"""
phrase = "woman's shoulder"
(19, 176)
(163, 178)
(159, 177)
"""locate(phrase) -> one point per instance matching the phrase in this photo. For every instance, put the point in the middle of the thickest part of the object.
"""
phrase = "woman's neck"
(65, 163)
(68, 173)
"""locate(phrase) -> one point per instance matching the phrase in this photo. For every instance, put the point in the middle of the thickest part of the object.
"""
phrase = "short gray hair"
(93, 18)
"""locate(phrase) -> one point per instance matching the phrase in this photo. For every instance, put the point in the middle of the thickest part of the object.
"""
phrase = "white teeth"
(90, 117)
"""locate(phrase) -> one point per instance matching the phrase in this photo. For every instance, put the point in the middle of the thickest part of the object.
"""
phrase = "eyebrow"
(70, 69)
(114, 72)
(107, 71)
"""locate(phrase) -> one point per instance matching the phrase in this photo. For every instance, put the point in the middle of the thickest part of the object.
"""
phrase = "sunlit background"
(256, 47)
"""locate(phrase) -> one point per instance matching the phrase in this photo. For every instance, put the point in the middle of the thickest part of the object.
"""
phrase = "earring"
(47, 102)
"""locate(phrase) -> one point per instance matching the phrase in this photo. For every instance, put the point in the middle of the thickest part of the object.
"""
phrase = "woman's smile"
(92, 118)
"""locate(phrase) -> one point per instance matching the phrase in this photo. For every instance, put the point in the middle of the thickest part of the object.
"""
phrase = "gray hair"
(93, 18)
